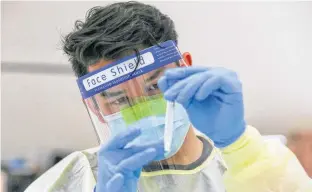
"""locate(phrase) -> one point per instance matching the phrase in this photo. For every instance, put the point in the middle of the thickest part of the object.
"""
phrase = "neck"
(189, 152)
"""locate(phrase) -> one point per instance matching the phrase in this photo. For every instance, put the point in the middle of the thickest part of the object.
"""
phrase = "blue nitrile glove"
(119, 167)
(212, 98)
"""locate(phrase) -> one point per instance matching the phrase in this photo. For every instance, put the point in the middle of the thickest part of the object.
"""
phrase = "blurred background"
(43, 119)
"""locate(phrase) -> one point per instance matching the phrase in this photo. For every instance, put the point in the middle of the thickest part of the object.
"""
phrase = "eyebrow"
(112, 94)
(154, 75)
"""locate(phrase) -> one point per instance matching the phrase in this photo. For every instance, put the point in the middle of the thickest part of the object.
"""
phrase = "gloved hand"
(212, 98)
(119, 166)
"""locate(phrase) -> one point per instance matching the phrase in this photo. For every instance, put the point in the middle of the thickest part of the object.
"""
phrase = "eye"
(152, 87)
(123, 100)
(120, 101)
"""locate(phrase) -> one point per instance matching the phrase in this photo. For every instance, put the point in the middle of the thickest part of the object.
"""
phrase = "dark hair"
(115, 31)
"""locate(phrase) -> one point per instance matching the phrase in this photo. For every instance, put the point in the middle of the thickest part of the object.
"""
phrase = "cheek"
(103, 105)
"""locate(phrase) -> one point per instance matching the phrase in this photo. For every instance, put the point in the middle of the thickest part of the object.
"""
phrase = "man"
(210, 97)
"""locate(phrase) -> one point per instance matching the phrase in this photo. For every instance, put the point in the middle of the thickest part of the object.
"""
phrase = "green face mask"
(144, 107)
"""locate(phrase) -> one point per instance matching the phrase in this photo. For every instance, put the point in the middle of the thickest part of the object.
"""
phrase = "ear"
(90, 105)
(187, 57)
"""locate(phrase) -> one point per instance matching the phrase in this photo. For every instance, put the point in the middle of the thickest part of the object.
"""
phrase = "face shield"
(125, 94)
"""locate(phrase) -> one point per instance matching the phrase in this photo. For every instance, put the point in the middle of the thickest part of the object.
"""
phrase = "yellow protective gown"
(254, 165)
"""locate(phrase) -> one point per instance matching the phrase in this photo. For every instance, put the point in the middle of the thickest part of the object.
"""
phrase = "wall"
(268, 44)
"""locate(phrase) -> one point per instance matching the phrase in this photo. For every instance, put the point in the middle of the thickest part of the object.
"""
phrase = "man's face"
(130, 92)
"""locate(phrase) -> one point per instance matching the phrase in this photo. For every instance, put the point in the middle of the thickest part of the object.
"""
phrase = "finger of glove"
(157, 145)
(207, 88)
(229, 81)
(122, 139)
(115, 183)
(133, 149)
(228, 98)
(164, 83)
(136, 161)
(172, 93)
(186, 93)
(183, 72)
(222, 82)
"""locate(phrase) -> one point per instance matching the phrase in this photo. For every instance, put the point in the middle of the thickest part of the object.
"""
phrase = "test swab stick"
(168, 125)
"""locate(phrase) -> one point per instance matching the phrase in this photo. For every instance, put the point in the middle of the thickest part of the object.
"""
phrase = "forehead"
(101, 63)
